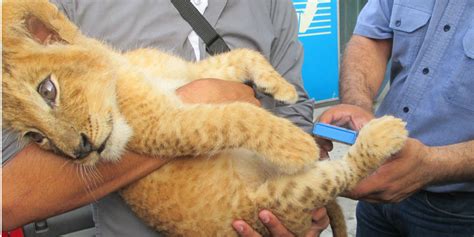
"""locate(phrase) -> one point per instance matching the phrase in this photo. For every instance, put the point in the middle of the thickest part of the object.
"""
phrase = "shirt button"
(197, 2)
(406, 109)
(398, 23)
(446, 28)
(426, 70)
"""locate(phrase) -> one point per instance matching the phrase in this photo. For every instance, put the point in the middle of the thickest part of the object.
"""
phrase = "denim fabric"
(423, 214)
(432, 70)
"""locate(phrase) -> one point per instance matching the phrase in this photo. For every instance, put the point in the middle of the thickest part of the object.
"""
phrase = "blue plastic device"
(335, 133)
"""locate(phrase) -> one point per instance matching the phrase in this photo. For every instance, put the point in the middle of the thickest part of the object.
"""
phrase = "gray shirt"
(269, 26)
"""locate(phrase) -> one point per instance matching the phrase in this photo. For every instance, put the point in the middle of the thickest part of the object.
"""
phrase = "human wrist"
(437, 166)
(353, 93)
(364, 104)
(452, 163)
(131, 167)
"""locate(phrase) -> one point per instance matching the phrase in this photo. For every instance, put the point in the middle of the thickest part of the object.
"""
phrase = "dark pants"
(423, 214)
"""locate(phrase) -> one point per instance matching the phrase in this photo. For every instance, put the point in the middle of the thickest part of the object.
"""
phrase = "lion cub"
(79, 98)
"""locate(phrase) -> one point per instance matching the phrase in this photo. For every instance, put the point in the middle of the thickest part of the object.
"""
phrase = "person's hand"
(209, 91)
(276, 228)
(351, 116)
(325, 146)
(400, 176)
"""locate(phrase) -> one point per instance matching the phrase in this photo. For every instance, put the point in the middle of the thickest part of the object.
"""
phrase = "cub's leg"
(289, 196)
(238, 65)
(246, 65)
(165, 127)
(205, 129)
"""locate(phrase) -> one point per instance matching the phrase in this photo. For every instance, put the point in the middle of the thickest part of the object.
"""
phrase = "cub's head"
(58, 86)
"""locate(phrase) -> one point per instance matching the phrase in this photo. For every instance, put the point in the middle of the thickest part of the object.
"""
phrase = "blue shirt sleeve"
(374, 20)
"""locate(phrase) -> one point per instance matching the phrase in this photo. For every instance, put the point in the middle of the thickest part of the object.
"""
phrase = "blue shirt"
(432, 74)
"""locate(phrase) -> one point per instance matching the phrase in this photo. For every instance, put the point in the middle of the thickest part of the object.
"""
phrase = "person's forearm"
(59, 186)
(39, 184)
(452, 163)
(363, 69)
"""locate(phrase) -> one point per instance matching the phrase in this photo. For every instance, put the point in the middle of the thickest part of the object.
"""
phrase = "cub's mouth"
(87, 153)
(109, 150)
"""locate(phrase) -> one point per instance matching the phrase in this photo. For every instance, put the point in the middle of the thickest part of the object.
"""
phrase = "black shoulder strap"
(214, 42)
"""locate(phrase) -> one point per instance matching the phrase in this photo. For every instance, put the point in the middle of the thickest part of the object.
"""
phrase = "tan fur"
(241, 158)
(336, 217)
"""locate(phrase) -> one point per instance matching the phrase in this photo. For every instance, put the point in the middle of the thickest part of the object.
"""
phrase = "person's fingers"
(276, 228)
(313, 232)
(370, 200)
(320, 222)
(334, 115)
(349, 116)
(337, 119)
(326, 117)
(324, 143)
(255, 101)
(319, 214)
(320, 218)
(272, 223)
(370, 189)
(244, 229)
(343, 121)
(324, 147)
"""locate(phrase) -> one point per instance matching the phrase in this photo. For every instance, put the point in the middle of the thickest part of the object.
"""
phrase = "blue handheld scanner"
(335, 133)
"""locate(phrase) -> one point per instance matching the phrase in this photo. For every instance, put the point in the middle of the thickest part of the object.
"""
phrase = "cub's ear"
(37, 20)
(41, 32)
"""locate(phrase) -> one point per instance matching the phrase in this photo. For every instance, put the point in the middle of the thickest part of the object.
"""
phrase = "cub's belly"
(189, 193)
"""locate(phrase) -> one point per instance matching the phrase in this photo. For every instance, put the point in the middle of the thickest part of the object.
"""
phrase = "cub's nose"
(84, 149)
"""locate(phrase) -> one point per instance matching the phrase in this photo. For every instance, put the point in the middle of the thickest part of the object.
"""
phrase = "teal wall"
(318, 32)
(324, 31)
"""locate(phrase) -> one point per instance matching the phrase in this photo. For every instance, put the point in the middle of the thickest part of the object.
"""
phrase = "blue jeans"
(423, 214)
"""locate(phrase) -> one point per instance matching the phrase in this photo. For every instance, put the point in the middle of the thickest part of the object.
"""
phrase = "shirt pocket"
(409, 26)
(468, 43)
(461, 87)
(408, 19)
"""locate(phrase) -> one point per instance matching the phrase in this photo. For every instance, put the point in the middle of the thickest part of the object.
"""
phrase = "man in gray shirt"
(267, 26)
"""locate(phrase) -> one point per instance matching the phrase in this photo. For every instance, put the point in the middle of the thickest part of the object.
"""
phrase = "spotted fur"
(240, 158)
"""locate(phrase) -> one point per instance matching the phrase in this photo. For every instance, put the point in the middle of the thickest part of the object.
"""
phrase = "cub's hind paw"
(383, 136)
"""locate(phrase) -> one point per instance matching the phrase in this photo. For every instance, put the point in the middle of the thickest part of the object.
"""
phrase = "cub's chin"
(117, 142)
(91, 160)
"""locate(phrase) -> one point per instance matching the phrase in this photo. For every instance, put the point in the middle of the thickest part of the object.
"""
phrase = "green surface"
(348, 11)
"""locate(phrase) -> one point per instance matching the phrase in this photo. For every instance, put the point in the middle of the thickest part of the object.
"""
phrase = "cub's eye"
(47, 90)
(36, 137)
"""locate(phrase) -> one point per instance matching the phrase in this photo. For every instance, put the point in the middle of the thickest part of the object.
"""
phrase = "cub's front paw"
(272, 83)
(384, 136)
(286, 93)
